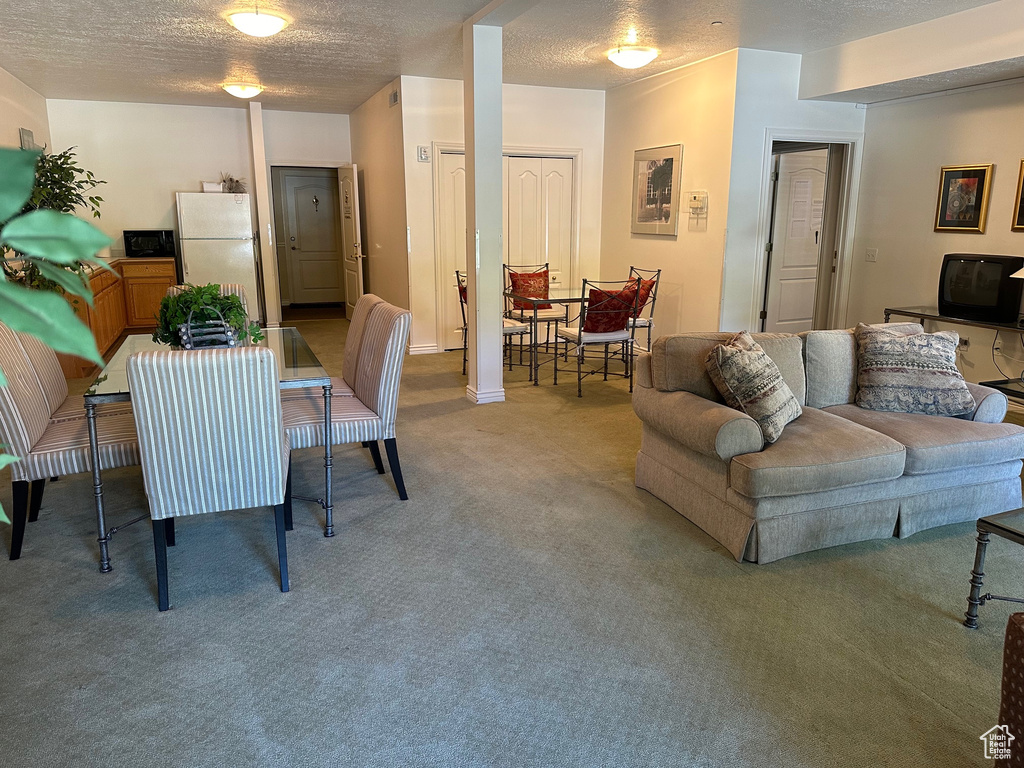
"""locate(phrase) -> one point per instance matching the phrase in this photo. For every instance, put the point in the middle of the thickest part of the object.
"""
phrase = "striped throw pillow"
(750, 381)
(913, 373)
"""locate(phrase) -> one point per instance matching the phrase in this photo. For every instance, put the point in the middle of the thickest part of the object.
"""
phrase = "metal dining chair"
(604, 320)
(47, 429)
(647, 280)
(211, 439)
(509, 328)
(369, 416)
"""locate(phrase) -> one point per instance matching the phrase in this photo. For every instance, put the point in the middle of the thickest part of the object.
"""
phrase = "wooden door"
(312, 235)
(796, 241)
(351, 236)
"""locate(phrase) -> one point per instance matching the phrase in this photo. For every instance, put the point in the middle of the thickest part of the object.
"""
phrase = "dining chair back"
(354, 339)
(370, 415)
(647, 280)
(211, 439)
(606, 318)
(49, 434)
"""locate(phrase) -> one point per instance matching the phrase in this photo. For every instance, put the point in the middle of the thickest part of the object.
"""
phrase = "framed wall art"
(963, 198)
(656, 193)
(1018, 205)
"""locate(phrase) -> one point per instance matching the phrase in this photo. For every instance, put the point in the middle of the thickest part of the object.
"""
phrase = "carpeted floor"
(528, 606)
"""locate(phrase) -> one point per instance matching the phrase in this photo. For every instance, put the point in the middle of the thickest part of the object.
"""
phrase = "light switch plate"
(423, 154)
(871, 254)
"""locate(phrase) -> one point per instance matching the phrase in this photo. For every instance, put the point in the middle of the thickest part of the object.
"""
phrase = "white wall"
(147, 152)
(307, 138)
(533, 117)
(21, 107)
(766, 98)
(692, 106)
(377, 149)
(906, 144)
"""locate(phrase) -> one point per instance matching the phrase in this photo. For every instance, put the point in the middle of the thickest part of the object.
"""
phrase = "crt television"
(974, 286)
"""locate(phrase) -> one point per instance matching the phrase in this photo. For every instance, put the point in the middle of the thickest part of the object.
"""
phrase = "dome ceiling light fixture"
(630, 55)
(257, 24)
(243, 90)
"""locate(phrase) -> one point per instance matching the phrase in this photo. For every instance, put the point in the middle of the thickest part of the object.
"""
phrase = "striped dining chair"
(47, 429)
(369, 415)
(211, 440)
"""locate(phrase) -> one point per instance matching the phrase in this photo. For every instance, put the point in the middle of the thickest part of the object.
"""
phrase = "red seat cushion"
(609, 311)
(532, 284)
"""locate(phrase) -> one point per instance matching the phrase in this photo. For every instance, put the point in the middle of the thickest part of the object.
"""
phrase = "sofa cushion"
(750, 382)
(830, 358)
(818, 452)
(677, 361)
(910, 373)
(940, 443)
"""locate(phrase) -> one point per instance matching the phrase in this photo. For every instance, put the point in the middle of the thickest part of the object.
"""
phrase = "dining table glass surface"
(296, 363)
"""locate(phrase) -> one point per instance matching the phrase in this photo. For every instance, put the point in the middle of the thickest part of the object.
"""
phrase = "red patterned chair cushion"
(532, 284)
(609, 311)
(462, 294)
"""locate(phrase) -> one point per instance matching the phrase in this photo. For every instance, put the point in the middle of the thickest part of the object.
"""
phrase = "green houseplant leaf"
(73, 282)
(54, 236)
(18, 169)
(49, 318)
(202, 302)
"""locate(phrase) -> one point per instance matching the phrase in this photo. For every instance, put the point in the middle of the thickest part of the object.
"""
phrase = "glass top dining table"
(563, 296)
(297, 365)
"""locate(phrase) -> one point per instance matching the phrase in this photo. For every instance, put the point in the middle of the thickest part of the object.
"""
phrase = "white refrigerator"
(216, 238)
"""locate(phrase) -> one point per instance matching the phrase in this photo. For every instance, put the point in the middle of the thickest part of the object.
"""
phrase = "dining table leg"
(328, 464)
(97, 489)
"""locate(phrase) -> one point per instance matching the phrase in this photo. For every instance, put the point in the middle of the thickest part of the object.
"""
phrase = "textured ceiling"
(337, 53)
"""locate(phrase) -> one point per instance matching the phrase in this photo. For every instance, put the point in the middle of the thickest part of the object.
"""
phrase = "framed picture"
(1018, 206)
(656, 193)
(963, 198)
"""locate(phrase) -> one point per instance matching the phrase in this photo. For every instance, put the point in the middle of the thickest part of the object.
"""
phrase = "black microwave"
(149, 242)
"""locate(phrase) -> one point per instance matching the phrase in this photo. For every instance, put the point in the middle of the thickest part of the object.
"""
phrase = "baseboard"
(491, 396)
(422, 349)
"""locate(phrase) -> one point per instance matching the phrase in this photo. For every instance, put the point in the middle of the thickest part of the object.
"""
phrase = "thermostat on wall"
(697, 202)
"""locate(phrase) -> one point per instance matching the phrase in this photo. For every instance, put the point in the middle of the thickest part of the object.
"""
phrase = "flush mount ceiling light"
(631, 56)
(257, 24)
(243, 90)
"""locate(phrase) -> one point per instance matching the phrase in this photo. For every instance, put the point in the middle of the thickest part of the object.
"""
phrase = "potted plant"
(203, 303)
(54, 244)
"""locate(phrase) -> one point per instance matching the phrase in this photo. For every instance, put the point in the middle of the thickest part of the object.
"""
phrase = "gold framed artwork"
(963, 198)
(1018, 205)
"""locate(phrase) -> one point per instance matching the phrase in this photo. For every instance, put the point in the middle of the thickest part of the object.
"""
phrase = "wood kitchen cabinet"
(145, 283)
(106, 319)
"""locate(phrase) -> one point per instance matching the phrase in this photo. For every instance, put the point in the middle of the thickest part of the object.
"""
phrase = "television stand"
(1009, 387)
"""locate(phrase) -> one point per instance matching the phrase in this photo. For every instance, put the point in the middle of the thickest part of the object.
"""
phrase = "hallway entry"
(803, 251)
(307, 219)
(538, 225)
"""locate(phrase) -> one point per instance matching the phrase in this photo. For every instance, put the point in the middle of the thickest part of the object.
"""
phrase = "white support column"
(266, 251)
(482, 79)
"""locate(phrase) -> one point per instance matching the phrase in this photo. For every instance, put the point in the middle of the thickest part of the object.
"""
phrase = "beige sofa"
(838, 474)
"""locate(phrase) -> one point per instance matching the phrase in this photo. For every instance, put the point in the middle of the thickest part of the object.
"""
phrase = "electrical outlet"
(965, 342)
(871, 254)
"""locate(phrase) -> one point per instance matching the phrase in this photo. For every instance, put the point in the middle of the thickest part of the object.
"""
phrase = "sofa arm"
(989, 404)
(642, 373)
(701, 425)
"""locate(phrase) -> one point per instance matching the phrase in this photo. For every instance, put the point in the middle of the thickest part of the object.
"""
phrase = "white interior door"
(796, 241)
(538, 205)
(351, 238)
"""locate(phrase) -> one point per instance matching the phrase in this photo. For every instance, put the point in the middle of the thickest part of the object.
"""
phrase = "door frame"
(846, 220)
(507, 150)
(273, 209)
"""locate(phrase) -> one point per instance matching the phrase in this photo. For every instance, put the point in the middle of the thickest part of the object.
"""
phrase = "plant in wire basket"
(200, 303)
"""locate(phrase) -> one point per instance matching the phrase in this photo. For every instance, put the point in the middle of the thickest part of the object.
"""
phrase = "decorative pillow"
(750, 381)
(913, 373)
(532, 284)
(609, 311)
(463, 294)
(646, 286)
